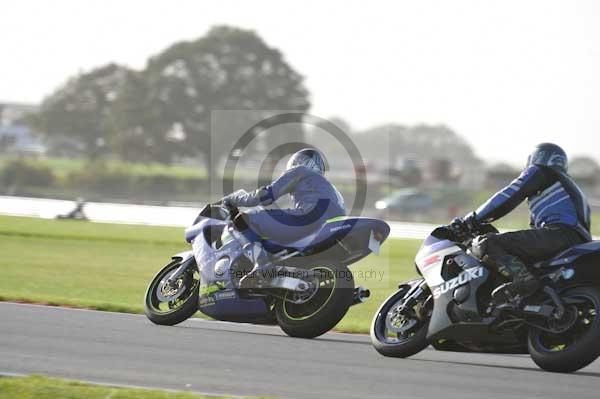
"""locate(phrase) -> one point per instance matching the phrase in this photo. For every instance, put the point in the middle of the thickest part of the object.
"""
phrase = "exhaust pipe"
(360, 295)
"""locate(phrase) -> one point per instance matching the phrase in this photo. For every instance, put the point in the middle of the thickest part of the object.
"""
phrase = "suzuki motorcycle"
(451, 308)
(310, 293)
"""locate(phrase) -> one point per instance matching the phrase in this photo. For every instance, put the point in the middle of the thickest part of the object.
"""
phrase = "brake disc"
(397, 322)
(167, 292)
(566, 322)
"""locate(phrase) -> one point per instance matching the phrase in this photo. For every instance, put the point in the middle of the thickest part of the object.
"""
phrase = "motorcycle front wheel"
(171, 303)
(322, 309)
(578, 343)
(398, 331)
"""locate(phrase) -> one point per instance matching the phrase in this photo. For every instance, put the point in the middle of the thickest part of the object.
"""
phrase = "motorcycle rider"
(560, 219)
(314, 199)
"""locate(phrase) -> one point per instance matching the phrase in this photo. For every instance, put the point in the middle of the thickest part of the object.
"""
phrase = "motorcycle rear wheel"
(323, 310)
(579, 345)
(184, 304)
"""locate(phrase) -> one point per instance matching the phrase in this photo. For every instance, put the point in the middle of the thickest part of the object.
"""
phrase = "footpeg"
(289, 283)
(361, 294)
(539, 310)
(278, 277)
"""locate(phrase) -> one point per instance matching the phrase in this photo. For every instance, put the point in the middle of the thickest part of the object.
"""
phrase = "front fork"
(412, 299)
(176, 275)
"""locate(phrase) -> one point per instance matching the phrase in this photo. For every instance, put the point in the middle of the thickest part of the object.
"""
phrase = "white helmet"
(310, 158)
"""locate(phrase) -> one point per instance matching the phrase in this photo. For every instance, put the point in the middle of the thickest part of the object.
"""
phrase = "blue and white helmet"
(550, 155)
(310, 158)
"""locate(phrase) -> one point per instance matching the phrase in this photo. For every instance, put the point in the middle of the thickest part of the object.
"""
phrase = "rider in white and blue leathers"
(313, 198)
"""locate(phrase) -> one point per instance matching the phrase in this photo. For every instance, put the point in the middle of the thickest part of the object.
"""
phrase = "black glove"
(460, 229)
(230, 206)
(226, 202)
(459, 226)
(466, 227)
(471, 222)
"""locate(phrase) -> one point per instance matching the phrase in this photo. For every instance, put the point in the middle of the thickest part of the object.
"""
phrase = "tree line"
(164, 110)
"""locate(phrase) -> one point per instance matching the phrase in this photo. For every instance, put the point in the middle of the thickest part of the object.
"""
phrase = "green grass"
(37, 387)
(101, 266)
(63, 166)
(107, 266)
(381, 274)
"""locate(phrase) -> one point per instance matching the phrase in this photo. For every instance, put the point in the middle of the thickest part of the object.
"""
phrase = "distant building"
(13, 113)
(15, 136)
(499, 175)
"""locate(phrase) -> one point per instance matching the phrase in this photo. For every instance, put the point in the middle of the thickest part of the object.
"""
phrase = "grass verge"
(107, 266)
(37, 387)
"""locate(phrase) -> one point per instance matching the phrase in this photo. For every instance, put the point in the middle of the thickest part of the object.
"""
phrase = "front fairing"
(207, 257)
(430, 258)
(448, 268)
(431, 244)
(218, 296)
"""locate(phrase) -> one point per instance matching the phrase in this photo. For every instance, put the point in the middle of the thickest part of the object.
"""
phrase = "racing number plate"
(374, 245)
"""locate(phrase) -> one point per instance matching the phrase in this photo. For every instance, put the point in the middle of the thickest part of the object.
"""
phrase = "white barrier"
(151, 215)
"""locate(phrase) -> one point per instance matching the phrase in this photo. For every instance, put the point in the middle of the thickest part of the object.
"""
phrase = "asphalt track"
(240, 359)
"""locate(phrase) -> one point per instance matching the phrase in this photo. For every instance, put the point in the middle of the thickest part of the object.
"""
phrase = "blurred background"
(115, 101)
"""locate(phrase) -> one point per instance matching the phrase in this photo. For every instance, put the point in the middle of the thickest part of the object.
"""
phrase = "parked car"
(406, 204)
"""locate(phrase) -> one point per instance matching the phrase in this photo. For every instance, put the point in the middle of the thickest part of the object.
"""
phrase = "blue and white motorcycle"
(310, 293)
(450, 306)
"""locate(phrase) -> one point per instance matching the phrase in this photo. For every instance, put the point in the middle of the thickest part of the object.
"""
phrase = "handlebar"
(458, 233)
(218, 210)
(231, 209)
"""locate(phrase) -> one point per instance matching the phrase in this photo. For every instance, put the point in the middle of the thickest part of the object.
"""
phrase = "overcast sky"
(504, 74)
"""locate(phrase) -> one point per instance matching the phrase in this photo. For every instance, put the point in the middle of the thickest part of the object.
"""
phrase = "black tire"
(402, 347)
(585, 347)
(303, 321)
(186, 307)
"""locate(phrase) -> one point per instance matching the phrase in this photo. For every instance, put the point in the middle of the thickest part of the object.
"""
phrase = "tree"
(384, 144)
(585, 170)
(228, 69)
(319, 136)
(422, 142)
(141, 134)
(81, 110)
(165, 110)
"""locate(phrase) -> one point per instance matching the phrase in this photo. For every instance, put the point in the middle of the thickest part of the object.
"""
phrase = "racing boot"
(523, 283)
(263, 272)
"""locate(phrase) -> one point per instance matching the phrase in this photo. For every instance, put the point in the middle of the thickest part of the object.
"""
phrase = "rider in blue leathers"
(560, 218)
(313, 198)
